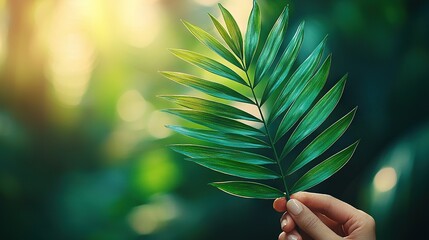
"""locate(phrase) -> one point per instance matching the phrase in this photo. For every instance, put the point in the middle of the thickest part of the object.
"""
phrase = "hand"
(322, 217)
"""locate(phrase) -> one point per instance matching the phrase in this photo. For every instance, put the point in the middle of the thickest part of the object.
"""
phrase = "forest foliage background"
(82, 140)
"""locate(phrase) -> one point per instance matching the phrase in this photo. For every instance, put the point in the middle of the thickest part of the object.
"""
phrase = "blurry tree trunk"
(23, 86)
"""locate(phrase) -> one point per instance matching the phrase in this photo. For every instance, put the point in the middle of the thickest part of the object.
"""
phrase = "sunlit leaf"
(210, 88)
(322, 142)
(211, 42)
(208, 64)
(225, 36)
(252, 35)
(233, 29)
(305, 99)
(238, 169)
(281, 71)
(272, 45)
(216, 108)
(212, 121)
(324, 170)
(224, 139)
(248, 189)
(198, 151)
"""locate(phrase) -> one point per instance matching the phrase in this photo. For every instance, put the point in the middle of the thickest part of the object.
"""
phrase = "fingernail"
(283, 223)
(292, 237)
(294, 207)
(282, 236)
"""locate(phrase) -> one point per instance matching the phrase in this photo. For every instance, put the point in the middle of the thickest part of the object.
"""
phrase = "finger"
(308, 221)
(294, 235)
(286, 222)
(333, 208)
(334, 226)
(280, 204)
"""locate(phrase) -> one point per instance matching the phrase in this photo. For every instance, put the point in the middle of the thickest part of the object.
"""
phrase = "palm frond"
(230, 139)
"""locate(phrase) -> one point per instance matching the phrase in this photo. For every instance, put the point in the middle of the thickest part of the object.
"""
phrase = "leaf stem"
(252, 88)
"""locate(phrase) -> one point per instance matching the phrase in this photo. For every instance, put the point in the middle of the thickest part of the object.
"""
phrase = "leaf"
(211, 42)
(212, 121)
(297, 82)
(197, 151)
(272, 45)
(219, 138)
(316, 116)
(243, 144)
(210, 88)
(237, 169)
(248, 189)
(225, 36)
(279, 75)
(324, 170)
(233, 29)
(252, 34)
(322, 142)
(208, 64)
(216, 108)
(304, 101)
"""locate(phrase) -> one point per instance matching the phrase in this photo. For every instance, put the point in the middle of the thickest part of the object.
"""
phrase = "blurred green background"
(82, 141)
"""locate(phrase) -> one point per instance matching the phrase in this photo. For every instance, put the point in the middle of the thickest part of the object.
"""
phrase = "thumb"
(309, 222)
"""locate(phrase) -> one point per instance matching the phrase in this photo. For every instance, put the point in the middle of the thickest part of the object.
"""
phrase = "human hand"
(322, 217)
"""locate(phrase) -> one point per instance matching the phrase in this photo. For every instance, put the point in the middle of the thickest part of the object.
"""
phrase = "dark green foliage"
(233, 135)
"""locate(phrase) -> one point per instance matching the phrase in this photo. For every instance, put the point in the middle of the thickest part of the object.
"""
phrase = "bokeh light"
(131, 106)
(385, 179)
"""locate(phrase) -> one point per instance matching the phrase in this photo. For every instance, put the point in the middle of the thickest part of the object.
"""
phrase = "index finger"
(333, 208)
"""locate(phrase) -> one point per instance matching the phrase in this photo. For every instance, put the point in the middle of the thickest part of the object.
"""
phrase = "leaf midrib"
(271, 142)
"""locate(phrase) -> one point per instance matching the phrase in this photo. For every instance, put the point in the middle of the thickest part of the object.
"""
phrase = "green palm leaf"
(248, 189)
(198, 151)
(252, 34)
(272, 45)
(230, 139)
(234, 168)
(215, 108)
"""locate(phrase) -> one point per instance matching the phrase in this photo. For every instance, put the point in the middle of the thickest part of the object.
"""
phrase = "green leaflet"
(238, 169)
(322, 142)
(252, 34)
(208, 64)
(304, 100)
(316, 116)
(233, 29)
(272, 45)
(248, 189)
(219, 138)
(215, 108)
(214, 122)
(211, 42)
(325, 169)
(225, 36)
(198, 151)
(238, 142)
(210, 88)
(297, 82)
(278, 76)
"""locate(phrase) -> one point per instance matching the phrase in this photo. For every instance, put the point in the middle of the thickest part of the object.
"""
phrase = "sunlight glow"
(148, 218)
(385, 179)
(131, 106)
(156, 124)
(140, 22)
(71, 54)
(207, 3)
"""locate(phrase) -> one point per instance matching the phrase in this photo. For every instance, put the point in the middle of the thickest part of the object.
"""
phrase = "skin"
(312, 216)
